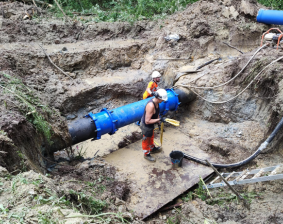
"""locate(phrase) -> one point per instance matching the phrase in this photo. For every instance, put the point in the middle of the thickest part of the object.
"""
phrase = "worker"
(149, 118)
(152, 86)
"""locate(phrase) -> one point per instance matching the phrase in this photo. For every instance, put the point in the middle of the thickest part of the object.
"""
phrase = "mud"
(109, 65)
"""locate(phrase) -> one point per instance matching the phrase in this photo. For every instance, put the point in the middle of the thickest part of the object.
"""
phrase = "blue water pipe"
(270, 16)
(109, 121)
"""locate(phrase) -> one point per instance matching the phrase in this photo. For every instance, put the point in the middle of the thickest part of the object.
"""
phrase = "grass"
(273, 4)
(222, 197)
(123, 10)
(89, 206)
(46, 218)
(130, 10)
(93, 205)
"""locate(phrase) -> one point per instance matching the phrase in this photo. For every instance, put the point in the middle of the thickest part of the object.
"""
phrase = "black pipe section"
(275, 131)
(243, 162)
(185, 95)
(82, 130)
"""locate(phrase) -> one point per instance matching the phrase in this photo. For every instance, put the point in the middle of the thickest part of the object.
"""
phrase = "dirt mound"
(36, 197)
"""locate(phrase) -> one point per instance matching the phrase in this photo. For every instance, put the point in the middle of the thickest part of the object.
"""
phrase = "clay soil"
(43, 179)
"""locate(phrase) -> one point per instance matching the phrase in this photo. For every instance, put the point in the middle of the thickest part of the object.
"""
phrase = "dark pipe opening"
(82, 130)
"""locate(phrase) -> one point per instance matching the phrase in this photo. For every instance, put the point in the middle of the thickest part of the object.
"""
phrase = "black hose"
(276, 129)
(206, 63)
(243, 162)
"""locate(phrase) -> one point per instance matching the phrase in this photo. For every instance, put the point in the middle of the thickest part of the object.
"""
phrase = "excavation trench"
(111, 71)
(220, 133)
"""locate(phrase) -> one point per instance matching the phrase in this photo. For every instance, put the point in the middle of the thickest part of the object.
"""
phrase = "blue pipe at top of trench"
(270, 16)
(109, 121)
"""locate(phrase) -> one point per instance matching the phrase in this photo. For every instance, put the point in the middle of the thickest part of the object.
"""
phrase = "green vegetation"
(47, 218)
(28, 104)
(89, 203)
(38, 194)
(123, 10)
(273, 4)
(3, 133)
(221, 199)
(130, 10)
(23, 166)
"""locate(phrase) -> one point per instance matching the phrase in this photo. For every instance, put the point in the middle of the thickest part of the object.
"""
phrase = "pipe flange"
(167, 104)
(114, 129)
(98, 128)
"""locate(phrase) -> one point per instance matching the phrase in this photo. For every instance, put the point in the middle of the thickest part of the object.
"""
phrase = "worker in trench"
(152, 87)
(149, 118)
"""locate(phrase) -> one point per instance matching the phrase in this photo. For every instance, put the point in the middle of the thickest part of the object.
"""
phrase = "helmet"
(155, 74)
(162, 94)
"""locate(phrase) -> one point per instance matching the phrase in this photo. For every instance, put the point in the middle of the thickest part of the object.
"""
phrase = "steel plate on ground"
(155, 184)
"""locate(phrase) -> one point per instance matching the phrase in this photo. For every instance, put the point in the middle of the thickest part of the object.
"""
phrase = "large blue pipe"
(109, 121)
(270, 16)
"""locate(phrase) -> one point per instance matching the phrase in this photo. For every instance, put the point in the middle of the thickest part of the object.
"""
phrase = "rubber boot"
(155, 150)
(149, 158)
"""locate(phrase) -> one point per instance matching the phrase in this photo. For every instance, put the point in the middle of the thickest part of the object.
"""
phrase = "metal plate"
(155, 184)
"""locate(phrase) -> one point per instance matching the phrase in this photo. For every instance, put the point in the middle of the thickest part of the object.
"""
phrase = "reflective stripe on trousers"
(147, 144)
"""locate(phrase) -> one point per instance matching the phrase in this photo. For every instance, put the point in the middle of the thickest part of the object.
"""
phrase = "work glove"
(159, 124)
(155, 94)
(162, 119)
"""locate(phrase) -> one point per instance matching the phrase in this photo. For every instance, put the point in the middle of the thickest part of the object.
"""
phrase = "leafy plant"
(38, 181)
(80, 152)
(200, 192)
(3, 133)
(172, 220)
(3, 210)
(249, 196)
(46, 218)
(22, 161)
(188, 197)
(93, 205)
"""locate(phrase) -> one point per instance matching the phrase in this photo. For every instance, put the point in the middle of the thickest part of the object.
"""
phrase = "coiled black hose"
(243, 162)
